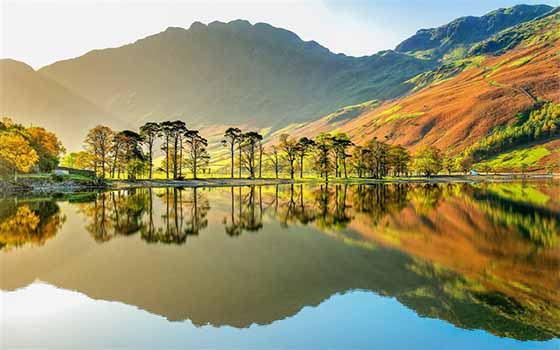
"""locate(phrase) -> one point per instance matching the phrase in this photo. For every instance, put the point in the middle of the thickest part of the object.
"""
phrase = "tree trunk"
(181, 157)
(232, 158)
(336, 164)
(301, 167)
(260, 161)
(175, 146)
(194, 164)
(240, 165)
(151, 159)
(167, 157)
(292, 169)
(103, 165)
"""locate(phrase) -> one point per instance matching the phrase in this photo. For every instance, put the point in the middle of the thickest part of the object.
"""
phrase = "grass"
(390, 111)
(516, 158)
(350, 112)
(520, 62)
(398, 116)
(75, 177)
(519, 192)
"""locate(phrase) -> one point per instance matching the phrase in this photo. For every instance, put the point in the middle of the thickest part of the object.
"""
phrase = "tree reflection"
(478, 256)
(165, 216)
(334, 206)
(28, 222)
(248, 216)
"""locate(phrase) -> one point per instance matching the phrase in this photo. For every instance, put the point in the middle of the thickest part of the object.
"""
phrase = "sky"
(40, 32)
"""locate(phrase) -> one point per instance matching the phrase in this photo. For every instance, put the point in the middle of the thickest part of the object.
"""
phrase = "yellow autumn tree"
(16, 154)
(47, 145)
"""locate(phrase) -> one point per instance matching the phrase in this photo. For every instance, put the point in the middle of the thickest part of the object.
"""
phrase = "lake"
(386, 266)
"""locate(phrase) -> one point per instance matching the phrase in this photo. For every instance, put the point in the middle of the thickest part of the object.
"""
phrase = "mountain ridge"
(229, 73)
(465, 102)
(464, 31)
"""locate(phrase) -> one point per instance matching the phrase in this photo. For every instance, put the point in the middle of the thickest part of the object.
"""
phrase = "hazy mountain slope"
(455, 38)
(232, 72)
(453, 113)
(31, 98)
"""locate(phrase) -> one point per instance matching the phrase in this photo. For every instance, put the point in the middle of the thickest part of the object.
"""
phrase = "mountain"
(31, 98)
(455, 38)
(239, 73)
(465, 102)
(232, 72)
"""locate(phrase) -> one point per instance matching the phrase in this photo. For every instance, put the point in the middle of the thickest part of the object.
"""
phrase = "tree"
(260, 147)
(231, 138)
(78, 160)
(48, 147)
(289, 146)
(448, 164)
(135, 167)
(132, 152)
(323, 147)
(149, 133)
(249, 144)
(178, 129)
(166, 131)
(117, 146)
(428, 161)
(377, 158)
(304, 146)
(399, 159)
(98, 145)
(16, 154)
(197, 150)
(358, 160)
(465, 163)
(125, 149)
(341, 143)
(273, 156)
(485, 168)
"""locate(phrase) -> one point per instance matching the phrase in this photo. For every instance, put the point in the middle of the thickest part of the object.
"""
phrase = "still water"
(415, 266)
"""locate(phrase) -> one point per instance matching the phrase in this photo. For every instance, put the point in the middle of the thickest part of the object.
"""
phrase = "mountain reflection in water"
(482, 256)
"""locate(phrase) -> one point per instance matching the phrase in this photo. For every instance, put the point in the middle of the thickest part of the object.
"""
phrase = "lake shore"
(227, 182)
(71, 186)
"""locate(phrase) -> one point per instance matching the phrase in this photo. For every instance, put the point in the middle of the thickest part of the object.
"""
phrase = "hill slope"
(453, 113)
(239, 73)
(31, 98)
(221, 72)
(455, 38)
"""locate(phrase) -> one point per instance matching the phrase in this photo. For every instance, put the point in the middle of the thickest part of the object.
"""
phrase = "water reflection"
(28, 222)
(128, 212)
(480, 256)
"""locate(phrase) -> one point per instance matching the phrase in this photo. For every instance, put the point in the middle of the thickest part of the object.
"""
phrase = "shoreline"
(229, 182)
(77, 186)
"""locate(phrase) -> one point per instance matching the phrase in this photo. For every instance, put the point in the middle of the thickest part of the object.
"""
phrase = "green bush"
(57, 178)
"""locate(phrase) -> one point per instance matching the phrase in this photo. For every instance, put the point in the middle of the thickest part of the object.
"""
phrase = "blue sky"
(40, 32)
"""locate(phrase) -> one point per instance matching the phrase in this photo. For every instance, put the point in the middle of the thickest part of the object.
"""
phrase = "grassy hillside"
(486, 94)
